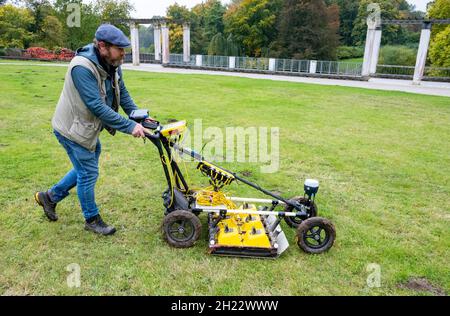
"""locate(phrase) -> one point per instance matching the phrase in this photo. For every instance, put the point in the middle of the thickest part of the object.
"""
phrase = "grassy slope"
(382, 159)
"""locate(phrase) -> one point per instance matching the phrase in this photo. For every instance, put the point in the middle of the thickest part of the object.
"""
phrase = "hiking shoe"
(98, 226)
(49, 207)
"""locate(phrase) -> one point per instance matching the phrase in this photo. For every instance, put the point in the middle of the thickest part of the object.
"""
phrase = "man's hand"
(138, 131)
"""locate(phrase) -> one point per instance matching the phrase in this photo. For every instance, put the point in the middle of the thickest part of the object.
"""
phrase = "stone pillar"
(198, 60)
(422, 53)
(165, 43)
(134, 32)
(376, 50)
(231, 62)
(186, 43)
(272, 64)
(157, 41)
(312, 66)
(373, 22)
(368, 51)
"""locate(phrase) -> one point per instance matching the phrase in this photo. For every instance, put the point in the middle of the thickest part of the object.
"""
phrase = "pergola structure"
(373, 42)
(161, 37)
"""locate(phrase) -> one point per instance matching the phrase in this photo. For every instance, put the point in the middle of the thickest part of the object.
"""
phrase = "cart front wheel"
(181, 229)
(316, 235)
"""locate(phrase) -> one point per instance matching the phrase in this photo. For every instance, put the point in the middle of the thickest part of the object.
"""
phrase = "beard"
(113, 62)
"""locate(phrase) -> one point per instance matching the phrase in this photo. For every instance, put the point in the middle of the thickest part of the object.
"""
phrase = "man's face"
(112, 54)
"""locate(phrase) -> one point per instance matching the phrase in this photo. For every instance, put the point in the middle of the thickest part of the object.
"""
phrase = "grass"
(382, 159)
(353, 60)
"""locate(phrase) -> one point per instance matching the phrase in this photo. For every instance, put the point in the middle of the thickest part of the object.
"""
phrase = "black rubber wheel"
(316, 235)
(312, 211)
(181, 229)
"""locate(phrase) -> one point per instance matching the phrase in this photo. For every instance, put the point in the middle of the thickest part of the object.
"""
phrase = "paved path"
(429, 88)
(426, 87)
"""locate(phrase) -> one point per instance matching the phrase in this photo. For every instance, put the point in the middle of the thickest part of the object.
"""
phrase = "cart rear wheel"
(181, 229)
(316, 235)
(312, 211)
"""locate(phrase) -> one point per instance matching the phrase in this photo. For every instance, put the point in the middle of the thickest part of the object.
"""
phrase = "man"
(92, 93)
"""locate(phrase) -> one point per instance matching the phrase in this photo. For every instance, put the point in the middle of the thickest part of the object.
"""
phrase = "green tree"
(253, 24)
(390, 10)
(52, 32)
(439, 54)
(207, 21)
(15, 26)
(308, 30)
(348, 11)
(76, 37)
(115, 10)
(178, 14)
(439, 9)
(440, 49)
(218, 45)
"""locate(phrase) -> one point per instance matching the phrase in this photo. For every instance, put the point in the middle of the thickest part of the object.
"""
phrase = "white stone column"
(312, 66)
(368, 51)
(134, 32)
(198, 60)
(165, 43)
(373, 22)
(231, 62)
(186, 43)
(422, 53)
(157, 41)
(376, 50)
(272, 64)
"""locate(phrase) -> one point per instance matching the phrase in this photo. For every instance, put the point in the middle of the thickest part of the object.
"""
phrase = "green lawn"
(353, 60)
(382, 159)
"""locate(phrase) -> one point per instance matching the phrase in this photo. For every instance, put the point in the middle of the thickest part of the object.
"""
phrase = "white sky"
(149, 8)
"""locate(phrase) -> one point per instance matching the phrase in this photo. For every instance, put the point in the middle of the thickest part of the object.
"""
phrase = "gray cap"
(111, 34)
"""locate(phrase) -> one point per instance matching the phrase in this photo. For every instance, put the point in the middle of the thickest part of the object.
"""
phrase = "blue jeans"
(84, 176)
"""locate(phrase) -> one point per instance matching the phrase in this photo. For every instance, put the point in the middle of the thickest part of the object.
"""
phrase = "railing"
(437, 73)
(395, 71)
(292, 65)
(177, 59)
(147, 58)
(250, 63)
(407, 72)
(215, 61)
(339, 68)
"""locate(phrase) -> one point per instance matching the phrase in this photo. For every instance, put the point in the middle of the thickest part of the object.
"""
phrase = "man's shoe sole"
(95, 232)
(50, 217)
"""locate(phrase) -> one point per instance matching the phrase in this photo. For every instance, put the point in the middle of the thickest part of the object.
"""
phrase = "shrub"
(398, 55)
(347, 52)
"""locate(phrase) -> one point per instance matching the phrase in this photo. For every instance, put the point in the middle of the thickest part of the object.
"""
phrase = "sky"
(150, 8)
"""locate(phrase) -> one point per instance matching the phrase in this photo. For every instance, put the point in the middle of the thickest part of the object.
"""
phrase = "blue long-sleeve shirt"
(87, 86)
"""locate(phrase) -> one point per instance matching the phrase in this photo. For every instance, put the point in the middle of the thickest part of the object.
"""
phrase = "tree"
(76, 37)
(218, 45)
(440, 42)
(207, 21)
(390, 10)
(253, 24)
(348, 11)
(178, 14)
(114, 10)
(308, 30)
(440, 49)
(15, 26)
(439, 9)
(52, 32)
